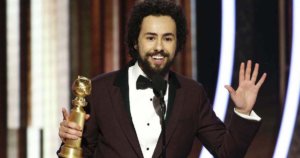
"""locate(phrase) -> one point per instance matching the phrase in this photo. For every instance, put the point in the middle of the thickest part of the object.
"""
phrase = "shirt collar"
(137, 71)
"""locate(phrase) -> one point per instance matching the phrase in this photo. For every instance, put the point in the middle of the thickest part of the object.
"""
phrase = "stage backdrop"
(45, 45)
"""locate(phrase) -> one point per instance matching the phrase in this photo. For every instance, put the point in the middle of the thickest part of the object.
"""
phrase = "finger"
(230, 89)
(261, 80)
(242, 72)
(71, 131)
(63, 140)
(64, 135)
(87, 116)
(65, 114)
(255, 72)
(68, 133)
(72, 125)
(248, 70)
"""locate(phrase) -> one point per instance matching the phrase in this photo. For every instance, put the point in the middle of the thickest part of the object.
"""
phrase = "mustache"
(162, 53)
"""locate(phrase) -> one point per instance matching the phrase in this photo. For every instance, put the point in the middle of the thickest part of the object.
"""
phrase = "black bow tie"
(143, 83)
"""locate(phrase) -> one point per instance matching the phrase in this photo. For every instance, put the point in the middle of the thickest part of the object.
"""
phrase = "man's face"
(157, 44)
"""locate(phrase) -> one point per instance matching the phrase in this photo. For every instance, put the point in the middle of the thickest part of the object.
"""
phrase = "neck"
(165, 76)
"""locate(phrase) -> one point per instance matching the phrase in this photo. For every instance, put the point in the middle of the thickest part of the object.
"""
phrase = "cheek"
(172, 56)
(144, 48)
(171, 46)
(172, 51)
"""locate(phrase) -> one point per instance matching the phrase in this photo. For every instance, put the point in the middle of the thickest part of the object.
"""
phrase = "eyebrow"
(155, 34)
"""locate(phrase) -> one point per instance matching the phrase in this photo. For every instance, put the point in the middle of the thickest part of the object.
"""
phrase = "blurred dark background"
(263, 35)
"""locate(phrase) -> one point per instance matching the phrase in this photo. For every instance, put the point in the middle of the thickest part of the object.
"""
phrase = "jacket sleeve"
(90, 133)
(224, 141)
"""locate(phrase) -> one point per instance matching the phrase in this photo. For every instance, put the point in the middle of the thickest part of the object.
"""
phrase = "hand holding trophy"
(81, 88)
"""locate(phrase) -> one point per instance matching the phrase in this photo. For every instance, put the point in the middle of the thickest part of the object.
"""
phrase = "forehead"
(158, 24)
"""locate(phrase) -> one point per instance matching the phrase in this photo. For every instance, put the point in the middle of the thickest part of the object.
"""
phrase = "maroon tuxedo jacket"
(109, 132)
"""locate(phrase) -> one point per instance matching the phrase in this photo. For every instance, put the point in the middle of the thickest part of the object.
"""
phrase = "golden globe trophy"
(81, 88)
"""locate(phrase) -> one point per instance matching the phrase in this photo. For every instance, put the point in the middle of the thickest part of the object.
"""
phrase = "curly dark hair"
(157, 8)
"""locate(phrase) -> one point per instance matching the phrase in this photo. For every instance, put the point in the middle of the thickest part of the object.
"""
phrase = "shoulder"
(189, 86)
(105, 78)
(117, 78)
(186, 82)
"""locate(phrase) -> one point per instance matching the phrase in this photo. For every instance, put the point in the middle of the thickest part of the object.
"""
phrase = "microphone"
(159, 89)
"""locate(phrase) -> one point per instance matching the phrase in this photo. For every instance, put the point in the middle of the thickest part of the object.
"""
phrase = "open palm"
(244, 97)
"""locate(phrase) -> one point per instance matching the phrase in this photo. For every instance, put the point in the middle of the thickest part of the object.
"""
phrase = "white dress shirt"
(144, 114)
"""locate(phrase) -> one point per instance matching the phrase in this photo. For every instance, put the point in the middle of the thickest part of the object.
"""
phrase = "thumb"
(65, 114)
(87, 116)
(230, 89)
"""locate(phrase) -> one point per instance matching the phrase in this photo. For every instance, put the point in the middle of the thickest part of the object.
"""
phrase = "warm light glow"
(33, 146)
(194, 39)
(50, 88)
(37, 64)
(292, 96)
(13, 76)
(13, 63)
(56, 79)
(37, 89)
(116, 35)
(226, 62)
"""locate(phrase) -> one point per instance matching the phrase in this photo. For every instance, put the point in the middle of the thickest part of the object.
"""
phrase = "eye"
(150, 38)
(169, 39)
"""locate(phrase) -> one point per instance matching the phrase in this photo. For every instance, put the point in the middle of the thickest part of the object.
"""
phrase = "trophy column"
(81, 88)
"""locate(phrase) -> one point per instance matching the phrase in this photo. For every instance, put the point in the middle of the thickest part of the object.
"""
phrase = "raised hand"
(244, 97)
(69, 130)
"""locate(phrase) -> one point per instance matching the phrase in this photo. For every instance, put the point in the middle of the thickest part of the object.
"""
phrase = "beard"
(152, 71)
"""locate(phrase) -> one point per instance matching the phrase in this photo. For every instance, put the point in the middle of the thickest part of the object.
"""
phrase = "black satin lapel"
(172, 93)
(175, 104)
(173, 86)
(121, 81)
(122, 109)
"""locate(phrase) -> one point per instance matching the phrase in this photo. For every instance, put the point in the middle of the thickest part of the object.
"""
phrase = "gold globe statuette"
(81, 88)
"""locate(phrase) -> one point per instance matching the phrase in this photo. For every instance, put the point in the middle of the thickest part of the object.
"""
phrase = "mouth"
(157, 59)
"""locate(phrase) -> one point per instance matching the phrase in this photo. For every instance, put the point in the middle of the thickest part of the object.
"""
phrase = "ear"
(135, 47)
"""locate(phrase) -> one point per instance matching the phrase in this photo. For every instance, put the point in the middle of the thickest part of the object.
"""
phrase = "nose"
(158, 46)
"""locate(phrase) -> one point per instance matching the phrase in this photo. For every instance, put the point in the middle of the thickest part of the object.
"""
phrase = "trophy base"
(67, 152)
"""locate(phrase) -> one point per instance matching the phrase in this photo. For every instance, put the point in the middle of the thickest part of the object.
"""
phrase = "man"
(124, 118)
